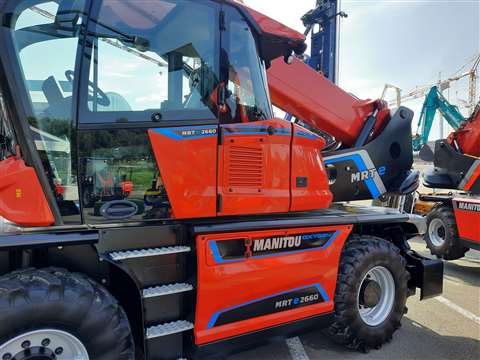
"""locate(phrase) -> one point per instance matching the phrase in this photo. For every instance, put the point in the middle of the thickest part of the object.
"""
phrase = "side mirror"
(426, 153)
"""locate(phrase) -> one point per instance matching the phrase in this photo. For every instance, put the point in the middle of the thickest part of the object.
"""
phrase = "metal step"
(166, 290)
(168, 329)
(135, 254)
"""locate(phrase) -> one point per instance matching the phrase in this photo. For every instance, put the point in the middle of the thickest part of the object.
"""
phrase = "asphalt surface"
(447, 327)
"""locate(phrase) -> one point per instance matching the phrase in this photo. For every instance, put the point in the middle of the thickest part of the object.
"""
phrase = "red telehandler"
(454, 222)
(237, 240)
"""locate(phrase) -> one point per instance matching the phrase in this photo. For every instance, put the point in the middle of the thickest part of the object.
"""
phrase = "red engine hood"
(275, 38)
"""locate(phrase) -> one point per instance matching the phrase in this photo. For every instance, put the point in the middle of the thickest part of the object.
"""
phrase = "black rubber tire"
(451, 249)
(54, 298)
(360, 255)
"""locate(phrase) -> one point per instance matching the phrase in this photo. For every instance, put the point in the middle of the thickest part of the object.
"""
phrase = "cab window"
(247, 97)
(45, 37)
(152, 60)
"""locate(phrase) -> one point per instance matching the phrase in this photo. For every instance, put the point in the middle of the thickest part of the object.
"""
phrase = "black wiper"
(137, 42)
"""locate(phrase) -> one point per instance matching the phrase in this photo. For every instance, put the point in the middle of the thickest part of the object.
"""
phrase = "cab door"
(254, 150)
(148, 128)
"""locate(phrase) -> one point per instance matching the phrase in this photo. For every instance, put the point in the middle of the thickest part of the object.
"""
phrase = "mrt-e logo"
(368, 174)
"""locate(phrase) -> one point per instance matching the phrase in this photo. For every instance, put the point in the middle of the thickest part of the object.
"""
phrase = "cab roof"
(275, 38)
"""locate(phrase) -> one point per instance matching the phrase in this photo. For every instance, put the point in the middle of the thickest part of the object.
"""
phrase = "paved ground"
(443, 328)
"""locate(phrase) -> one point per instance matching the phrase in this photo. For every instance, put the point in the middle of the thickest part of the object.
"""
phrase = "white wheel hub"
(44, 345)
(437, 232)
(376, 296)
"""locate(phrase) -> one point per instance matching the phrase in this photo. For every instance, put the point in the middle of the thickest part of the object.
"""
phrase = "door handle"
(119, 210)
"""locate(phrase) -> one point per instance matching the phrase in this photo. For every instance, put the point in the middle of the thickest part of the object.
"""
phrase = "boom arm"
(311, 97)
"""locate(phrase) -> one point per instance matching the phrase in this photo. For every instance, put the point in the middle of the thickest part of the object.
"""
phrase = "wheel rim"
(376, 296)
(44, 345)
(437, 232)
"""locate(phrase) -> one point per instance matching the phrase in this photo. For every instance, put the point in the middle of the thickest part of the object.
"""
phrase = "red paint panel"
(187, 159)
(468, 221)
(307, 163)
(254, 168)
(468, 136)
(22, 200)
(223, 285)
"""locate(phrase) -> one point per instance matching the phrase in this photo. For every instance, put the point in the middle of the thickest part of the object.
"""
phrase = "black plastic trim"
(48, 239)
(298, 221)
(426, 274)
(145, 125)
(276, 333)
(446, 199)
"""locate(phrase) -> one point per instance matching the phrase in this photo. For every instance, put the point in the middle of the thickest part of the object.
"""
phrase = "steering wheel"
(102, 98)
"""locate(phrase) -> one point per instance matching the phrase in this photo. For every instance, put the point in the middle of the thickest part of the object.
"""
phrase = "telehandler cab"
(235, 240)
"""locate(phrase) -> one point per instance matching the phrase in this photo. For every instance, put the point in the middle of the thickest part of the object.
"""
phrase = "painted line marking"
(459, 309)
(297, 351)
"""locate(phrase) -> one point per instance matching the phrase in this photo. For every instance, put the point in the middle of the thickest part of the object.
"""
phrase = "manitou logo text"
(469, 206)
(368, 174)
(276, 243)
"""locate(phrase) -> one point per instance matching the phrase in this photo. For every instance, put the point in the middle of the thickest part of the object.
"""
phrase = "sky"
(406, 43)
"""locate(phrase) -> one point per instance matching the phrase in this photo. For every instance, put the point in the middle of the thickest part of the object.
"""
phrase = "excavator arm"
(434, 102)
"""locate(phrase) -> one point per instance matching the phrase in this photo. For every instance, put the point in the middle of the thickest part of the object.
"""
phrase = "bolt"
(59, 351)
(45, 342)
(26, 344)
(7, 356)
(156, 117)
(104, 281)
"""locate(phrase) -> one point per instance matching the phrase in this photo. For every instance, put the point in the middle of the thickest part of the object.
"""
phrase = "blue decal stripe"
(216, 315)
(255, 130)
(219, 260)
(171, 132)
(357, 159)
(332, 239)
(307, 135)
(322, 292)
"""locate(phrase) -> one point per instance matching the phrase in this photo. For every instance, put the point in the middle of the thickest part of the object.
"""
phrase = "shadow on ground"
(412, 341)
(463, 270)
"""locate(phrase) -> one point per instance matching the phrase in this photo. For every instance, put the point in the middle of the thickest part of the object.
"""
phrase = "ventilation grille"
(245, 167)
